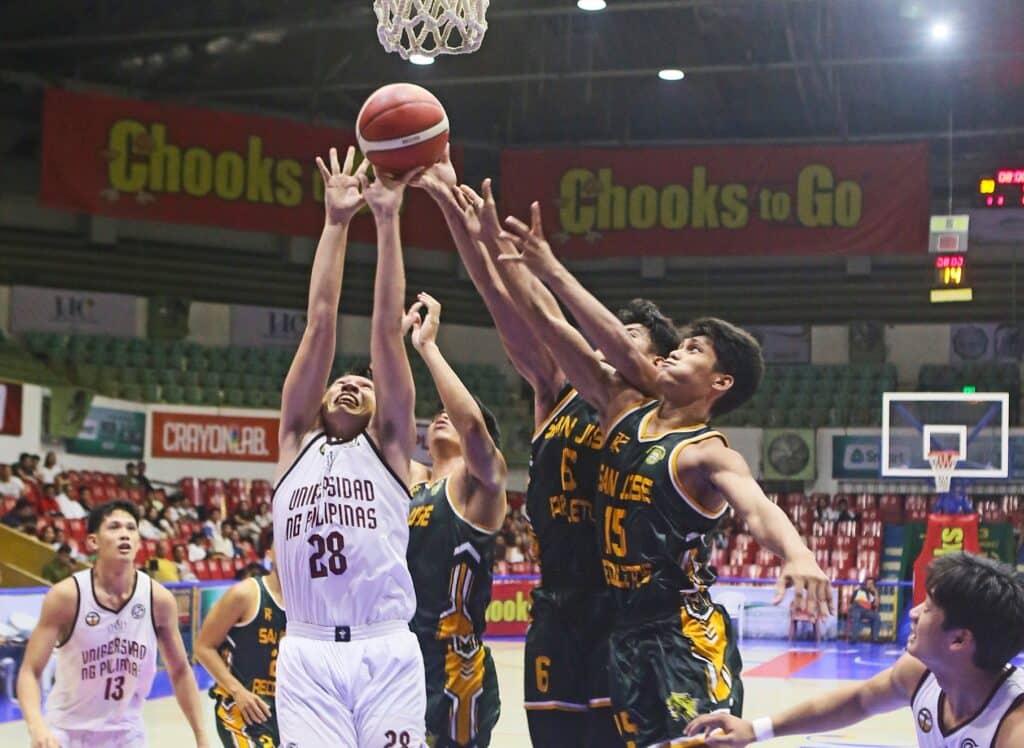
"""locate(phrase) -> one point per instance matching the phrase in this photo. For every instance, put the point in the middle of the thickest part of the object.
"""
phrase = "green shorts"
(566, 655)
(666, 671)
(233, 731)
(462, 693)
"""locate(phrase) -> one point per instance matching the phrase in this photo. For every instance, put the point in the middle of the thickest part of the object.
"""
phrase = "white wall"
(830, 344)
(910, 346)
(31, 426)
(209, 324)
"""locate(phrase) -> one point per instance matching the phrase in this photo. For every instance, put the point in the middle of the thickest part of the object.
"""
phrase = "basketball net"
(943, 463)
(431, 27)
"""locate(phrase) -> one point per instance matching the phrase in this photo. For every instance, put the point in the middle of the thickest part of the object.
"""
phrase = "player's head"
(349, 403)
(652, 331)
(442, 438)
(113, 531)
(974, 612)
(716, 362)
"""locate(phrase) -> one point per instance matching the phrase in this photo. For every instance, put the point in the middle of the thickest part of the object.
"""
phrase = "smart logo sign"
(740, 201)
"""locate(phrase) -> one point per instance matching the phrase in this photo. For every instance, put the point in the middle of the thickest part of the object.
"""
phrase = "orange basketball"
(402, 126)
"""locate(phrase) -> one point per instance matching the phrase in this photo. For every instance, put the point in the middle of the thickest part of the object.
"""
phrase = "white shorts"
(364, 693)
(98, 739)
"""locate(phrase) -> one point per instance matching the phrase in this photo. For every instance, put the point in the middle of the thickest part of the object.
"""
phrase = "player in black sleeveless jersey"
(665, 478)
(238, 646)
(453, 519)
(565, 673)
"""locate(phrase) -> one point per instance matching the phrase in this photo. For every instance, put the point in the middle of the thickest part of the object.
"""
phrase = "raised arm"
(595, 380)
(307, 377)
(728, 474)
(889, 690)
(56, 620)
(394, 423)
(602, 327)
(179, 671)
(237, 605)
(532, 360)
(485, 465)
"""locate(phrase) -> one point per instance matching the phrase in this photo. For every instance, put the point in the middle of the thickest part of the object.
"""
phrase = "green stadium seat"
(254, 398)
(234, 397)
(109, 373)
(131, 391)
(210, 379)
(212, 395)
(109, 387)
(85, 374)
(273, 398)
(129, 375)
(194, 396)
(149, 376)
(151, 392)
(190, 378)
(173, 393)
(231, 380)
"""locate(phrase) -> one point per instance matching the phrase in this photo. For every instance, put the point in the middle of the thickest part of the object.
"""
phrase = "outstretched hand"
(805, 577)
(384, 194)
(424, 329)
(342, 188)
(531, 248)
(470, 205)
(439, 176)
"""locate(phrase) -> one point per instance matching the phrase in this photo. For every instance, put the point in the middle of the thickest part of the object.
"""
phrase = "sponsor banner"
(69, 407)
(63, 311)
(986, 341)
(159, 162)
(730, 200)
(783, 344)
(10, 409)
(110, 432)
(508, 613)
(788, 454)
(856, 457)
(196, 436)
(267, 326)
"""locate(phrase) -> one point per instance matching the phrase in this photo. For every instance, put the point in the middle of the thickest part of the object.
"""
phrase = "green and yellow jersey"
(564, 459)
(652, 535)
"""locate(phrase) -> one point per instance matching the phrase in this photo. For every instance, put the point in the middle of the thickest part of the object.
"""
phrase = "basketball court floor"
(776, 674)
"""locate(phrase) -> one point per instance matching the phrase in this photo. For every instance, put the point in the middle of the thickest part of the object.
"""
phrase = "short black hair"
(490, 421)
(738, 354)
(100, 513)
(360, 370)
(65, 548)
(986, 598)
(645, 312)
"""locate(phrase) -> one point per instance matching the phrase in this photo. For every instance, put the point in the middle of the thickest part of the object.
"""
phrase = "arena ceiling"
(549, 73)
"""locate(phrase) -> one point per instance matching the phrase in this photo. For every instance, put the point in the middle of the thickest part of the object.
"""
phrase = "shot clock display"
(951, 279)
(1004, 189)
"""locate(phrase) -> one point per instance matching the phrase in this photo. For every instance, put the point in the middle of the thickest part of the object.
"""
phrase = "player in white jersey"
(349, 671)
(107, 624)
(955, 675)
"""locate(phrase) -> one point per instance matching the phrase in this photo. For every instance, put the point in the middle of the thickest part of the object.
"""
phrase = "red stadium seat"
(753, 571)
(78, 529)
(728, 571)
(842, 559)
(871, 530)
(869, 561)
(843, 543)
(847, 528)
(869, 543)
(202, 569)
(864, 501)
(225, 568)
(766, 558)
(822, 557)
(135, 495)
(8, 504)
(891, 508)
(819, 542)
(741, 556)
(190, 489)
(870, 515)
(823, 528)
(237, 565)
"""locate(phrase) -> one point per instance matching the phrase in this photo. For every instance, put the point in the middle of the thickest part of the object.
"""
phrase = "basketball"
(402, 126)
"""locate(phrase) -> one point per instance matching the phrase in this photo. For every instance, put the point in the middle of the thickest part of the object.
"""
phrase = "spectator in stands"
(198, 547)
(500, 555)
(11, 486)
(140, 474)
(222, 545)
(150, 527)
(514, 554)
(21, 515)
(843, 512)
(23, 468)
(50, 469)
(61, 567)
(85, 498)
(264, 518)
(131, 477)
(48, 534)
(212, 525)
(48, 503)
(68, 506)
(864, 607)
(245, 518)
(255, 569)
(185, 572)
(63, 539)
(824, 512)
(160, 567)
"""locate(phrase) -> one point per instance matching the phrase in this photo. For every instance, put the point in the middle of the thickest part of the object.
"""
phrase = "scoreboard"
(947, 244)
(1002, 189)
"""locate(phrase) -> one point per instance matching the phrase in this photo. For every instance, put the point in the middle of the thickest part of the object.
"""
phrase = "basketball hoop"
(431, 27)
(943, 463)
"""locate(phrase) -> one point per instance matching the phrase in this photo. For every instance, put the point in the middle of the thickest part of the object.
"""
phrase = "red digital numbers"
(1010, 176)
(949, 261)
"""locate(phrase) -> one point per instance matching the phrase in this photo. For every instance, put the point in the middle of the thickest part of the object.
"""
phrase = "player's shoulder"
(64, 591)
(709, 453)
(1010, 733)
(908, 675)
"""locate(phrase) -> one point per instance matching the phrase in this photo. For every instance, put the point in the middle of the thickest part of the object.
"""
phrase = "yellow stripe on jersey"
(708, 644)
(464, 682)
(674, 474)
(553, 414)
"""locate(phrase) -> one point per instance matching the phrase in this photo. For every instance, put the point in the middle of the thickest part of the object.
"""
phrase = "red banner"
(743, 201)
(509, 611)
(195, 436)
(10, 409)
(143, 160)
(946, 533)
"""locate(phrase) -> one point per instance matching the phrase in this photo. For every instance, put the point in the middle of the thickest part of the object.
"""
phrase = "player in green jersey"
(664, 480)
(237, 645)
(455, 514)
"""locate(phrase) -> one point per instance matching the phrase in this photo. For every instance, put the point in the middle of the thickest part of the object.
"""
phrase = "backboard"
(976, 425)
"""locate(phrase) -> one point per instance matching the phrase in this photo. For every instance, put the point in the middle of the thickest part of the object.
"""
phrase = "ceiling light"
(941, 31)
(421, 60)
(591, 5)
(671, 74)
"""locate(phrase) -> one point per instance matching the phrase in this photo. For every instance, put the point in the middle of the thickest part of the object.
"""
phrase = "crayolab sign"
(194, 436)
